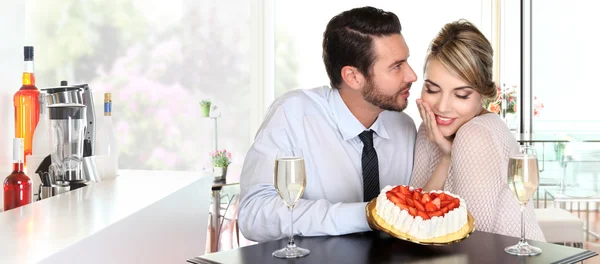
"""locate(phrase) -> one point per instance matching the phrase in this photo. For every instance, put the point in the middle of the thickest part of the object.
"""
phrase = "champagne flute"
(523, 180)
(290, 181)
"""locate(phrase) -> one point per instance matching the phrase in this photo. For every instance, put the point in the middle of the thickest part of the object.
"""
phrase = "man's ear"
(353, 78)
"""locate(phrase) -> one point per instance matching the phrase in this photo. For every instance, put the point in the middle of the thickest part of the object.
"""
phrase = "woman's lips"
(444, 121)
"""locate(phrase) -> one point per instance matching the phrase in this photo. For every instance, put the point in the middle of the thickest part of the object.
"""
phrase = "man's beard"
(373, 95)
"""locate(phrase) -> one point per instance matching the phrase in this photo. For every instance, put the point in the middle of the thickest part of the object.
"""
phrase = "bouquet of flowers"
(221, 158)
(495, 105)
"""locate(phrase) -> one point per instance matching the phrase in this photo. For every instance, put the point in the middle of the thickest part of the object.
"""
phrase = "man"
(354, 137)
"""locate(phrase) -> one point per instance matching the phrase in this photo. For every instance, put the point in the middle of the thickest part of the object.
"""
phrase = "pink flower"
(515, 108)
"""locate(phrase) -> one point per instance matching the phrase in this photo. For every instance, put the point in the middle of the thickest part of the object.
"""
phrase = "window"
(563, 78)
(159, 59)
(563, 65)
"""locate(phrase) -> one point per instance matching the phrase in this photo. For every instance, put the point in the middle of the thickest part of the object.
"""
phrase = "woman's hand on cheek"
(433, 131)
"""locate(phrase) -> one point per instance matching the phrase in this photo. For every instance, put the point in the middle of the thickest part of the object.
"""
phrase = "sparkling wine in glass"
(523, 180)
(290, 181)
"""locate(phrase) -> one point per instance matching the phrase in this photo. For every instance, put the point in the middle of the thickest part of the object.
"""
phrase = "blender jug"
(67, 127)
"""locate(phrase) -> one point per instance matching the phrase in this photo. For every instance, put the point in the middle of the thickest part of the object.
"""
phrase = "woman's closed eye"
(429, 90)
(463, 95)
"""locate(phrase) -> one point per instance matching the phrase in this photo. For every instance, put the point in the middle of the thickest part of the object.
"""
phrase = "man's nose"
(411, 76)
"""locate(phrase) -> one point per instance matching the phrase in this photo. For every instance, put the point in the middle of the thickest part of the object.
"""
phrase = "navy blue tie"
(370, 166)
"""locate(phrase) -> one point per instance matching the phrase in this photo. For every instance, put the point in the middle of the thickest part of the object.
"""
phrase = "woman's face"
(452, 100)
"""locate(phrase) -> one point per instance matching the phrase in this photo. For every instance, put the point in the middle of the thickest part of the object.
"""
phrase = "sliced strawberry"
(451, 206)
(430, 207)
(404, 190)
(419, 190)
(394, 198)
(423, 215)
(435, 213)
(404, 206)
(445, 209)
(419, 206)
(444, 203)
(409, 202)
(390, 194)
(437, 202)
(412, 211)
(401, 197)
(433, 195)
(443, 196)
(457, 202)
(426, 198)
(417, 196)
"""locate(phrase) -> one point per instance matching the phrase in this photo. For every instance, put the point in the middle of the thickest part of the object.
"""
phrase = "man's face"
(391, 76)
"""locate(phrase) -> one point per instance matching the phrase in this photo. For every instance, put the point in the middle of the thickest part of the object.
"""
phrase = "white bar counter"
(139, 217)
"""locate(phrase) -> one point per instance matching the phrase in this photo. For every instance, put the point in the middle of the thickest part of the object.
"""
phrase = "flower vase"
(220, 173)
(206, 110)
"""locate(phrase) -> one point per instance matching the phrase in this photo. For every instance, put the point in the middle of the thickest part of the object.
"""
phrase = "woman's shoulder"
(488, 123)
(484, 130)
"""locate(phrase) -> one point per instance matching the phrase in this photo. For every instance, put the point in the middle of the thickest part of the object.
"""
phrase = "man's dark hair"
(348, 39)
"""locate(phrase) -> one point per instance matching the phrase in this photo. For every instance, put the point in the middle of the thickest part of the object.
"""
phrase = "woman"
(461, 147)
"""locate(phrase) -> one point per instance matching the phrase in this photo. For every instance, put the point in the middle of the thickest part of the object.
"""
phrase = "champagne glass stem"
(522, 225)
(291, 243)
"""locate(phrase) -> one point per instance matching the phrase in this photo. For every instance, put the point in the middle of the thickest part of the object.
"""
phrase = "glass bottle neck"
(18, 165)
(28, 76)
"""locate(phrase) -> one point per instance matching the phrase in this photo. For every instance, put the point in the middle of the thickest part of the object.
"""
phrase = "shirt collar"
(347, 123)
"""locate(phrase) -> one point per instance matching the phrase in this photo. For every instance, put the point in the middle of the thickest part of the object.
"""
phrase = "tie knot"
(367, 138)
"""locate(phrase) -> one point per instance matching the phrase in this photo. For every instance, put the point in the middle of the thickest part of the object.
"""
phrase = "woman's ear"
(353, 77)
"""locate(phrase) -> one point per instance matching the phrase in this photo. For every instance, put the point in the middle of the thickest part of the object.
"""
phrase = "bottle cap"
(107, 97)
(18, 149)
(64, 83)
(28, 53)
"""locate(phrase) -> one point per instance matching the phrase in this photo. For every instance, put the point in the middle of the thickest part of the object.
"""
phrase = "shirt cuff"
(352, 218)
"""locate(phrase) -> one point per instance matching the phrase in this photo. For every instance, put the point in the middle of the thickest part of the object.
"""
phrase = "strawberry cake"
(422, 216)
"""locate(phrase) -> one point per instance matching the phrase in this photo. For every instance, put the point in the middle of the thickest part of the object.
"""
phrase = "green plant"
(205, 103)
(221, 158)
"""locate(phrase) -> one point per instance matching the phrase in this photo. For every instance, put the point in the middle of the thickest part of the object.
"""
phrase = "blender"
(72, 128)
(67, 128)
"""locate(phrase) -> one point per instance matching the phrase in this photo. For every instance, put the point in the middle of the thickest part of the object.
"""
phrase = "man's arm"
(262, 214)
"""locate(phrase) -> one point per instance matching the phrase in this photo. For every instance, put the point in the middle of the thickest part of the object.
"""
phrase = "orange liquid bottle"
(27, 106)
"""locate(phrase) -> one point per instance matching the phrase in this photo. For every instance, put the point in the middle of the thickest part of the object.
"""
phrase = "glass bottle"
(17, 185)
(27, 107)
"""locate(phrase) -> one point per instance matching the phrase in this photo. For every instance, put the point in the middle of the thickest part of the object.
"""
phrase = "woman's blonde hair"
(465, 52)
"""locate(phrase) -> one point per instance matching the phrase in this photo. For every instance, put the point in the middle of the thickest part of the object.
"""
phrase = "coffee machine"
(70, 164)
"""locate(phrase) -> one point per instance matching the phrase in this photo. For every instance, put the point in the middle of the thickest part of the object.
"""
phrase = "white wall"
(12, 28)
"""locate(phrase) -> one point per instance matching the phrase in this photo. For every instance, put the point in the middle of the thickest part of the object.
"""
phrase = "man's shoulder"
(299, 100)
(296, 104)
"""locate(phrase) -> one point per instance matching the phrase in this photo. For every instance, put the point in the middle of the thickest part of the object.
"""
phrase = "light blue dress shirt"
(319, 122)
